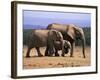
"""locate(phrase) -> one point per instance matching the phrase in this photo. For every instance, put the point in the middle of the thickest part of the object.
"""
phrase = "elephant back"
(38, 38)
(56, 26)
(55, 35)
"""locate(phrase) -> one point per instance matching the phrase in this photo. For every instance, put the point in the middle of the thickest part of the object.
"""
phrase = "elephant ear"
(71, 32)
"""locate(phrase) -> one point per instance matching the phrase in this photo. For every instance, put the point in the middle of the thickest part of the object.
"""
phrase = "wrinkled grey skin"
(70, 32)
(41, 38)
(66, 47)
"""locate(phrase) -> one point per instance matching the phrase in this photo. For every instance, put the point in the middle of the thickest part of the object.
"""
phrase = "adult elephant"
(70, 32)
(41, 38)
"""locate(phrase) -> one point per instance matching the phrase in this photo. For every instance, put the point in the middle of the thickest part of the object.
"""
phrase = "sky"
(41, 19)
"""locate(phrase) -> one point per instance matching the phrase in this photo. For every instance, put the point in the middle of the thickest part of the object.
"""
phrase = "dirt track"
(50, 62)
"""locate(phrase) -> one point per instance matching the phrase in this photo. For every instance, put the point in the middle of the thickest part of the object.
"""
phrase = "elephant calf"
(57, 47)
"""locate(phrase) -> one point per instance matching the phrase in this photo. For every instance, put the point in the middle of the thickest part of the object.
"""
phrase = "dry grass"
(50, 62)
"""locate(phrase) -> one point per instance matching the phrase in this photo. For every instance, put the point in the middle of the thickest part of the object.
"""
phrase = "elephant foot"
(40, 55)
(57, 54)
(50, 55)
(71, 56)
(46, 54)
(84, 57)
(27, 56)
(62, 55)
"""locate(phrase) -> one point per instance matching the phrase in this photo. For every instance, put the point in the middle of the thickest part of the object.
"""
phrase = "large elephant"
(70, 32)
(41, 38)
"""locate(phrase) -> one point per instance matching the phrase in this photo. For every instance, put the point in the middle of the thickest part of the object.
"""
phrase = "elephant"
(66, 47)
(58, 46)
(41, 38)
(71, 33)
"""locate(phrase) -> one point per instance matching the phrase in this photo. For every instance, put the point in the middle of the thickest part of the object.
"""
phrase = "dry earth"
(50, 62)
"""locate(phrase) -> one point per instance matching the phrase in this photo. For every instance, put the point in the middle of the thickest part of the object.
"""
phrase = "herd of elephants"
(56, 37)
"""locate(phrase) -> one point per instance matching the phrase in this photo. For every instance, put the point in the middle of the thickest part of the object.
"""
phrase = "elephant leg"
(72, 49)
(56, 53)
(63, 54)
(28, 52)
(84, 55)
(46, 51)
(51, 51)
(38, 51)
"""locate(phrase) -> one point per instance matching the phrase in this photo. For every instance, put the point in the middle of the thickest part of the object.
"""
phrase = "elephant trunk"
(83, 44)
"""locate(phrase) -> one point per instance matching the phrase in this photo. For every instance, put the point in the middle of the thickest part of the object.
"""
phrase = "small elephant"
(70, 32)
(66, 47)
(41, 38)
(57, 47)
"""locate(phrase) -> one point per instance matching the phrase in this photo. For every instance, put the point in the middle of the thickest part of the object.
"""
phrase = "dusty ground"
(50, 62)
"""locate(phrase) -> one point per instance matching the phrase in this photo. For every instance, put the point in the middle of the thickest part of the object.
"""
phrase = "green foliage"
(26, 33)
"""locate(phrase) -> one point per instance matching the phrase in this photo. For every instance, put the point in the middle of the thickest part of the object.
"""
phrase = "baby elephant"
(66, 47)
(57, 47)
